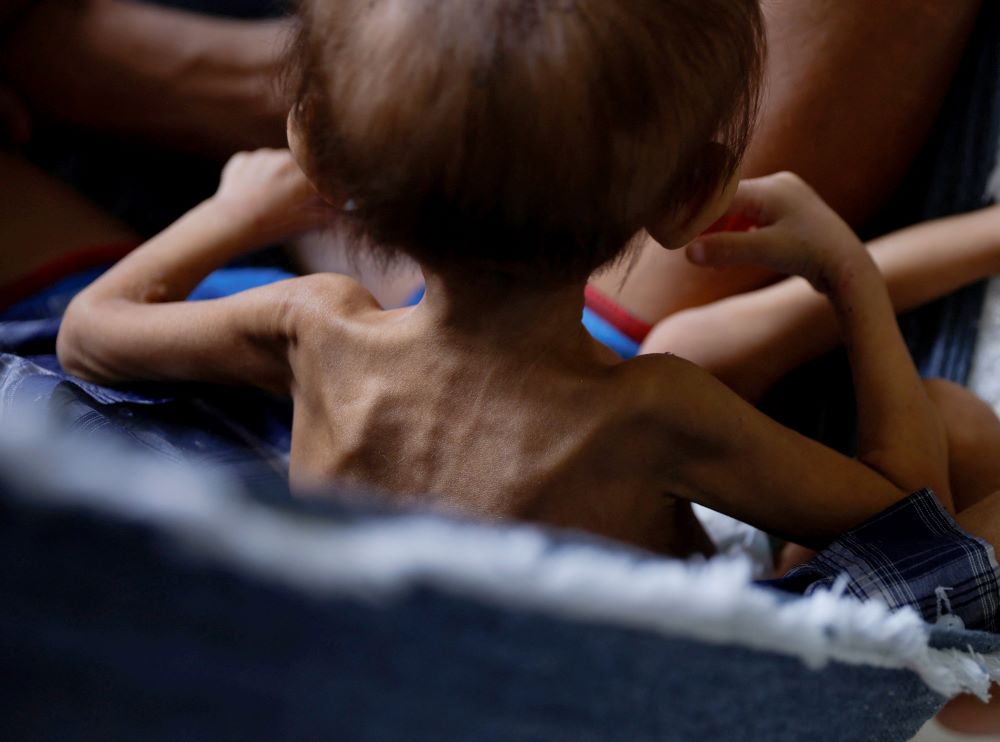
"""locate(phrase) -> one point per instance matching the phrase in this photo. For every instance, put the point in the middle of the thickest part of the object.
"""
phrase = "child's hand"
(268, 190)
(796, 234)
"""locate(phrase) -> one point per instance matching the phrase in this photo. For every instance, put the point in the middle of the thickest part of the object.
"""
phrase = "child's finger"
(732, 248)
(772, 247)
(765, 201)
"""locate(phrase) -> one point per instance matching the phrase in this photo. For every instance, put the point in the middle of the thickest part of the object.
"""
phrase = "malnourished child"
(513, 148)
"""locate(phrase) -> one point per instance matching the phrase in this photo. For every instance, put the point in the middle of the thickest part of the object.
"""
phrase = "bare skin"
(498, 413)
(44, 218)
(752, 340)
(973, 442)
(195, 82)
(424, 403)
(973, 431)
(844, 78)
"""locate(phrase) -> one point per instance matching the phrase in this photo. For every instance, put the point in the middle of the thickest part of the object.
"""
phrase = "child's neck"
(501, 311)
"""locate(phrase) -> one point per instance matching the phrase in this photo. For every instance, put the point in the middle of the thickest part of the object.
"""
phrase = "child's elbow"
(912, 469)
(73, 341)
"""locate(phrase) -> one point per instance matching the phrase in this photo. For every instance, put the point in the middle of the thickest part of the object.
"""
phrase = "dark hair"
(530, 137)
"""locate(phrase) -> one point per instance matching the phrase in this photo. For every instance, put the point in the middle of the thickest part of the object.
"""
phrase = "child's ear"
(678, 227)
(339, 200)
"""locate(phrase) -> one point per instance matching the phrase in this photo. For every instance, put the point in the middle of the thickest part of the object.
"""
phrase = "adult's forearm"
(853, 89)
(196, 82)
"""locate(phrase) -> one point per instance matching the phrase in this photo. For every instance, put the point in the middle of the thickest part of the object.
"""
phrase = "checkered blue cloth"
(912, 554)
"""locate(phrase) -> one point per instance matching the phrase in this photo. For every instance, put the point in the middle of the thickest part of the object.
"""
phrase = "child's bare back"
(401, 402)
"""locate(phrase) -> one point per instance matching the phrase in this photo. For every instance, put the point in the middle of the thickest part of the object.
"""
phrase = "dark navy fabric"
(109, 630)
(911, 554)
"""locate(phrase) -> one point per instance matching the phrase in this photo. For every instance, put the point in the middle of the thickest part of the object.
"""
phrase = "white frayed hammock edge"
(712, 601)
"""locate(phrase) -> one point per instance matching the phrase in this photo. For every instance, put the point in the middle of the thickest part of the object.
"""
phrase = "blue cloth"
(905, 556)
(605, 332)
(53, 300)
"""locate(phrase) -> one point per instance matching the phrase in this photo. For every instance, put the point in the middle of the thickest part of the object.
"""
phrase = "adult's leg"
(41, 219)
(973, 443)
(201, 83)
(752, 340)
(973, 431)
(853, 88)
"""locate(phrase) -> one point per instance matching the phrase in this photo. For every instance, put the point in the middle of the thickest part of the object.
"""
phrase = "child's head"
(528, 137)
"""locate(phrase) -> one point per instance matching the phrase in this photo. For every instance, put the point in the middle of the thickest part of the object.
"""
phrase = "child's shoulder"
(675, 393)
(331, 290)
(664, 378)
(325, 295)
(311, 307)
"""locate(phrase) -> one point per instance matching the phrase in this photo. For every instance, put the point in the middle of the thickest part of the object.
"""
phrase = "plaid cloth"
(912, 554)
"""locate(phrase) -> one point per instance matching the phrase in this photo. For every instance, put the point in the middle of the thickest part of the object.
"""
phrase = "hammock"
(143, 600)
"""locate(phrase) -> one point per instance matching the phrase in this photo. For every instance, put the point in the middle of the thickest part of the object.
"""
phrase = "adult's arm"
(853, 89)
(201, 83)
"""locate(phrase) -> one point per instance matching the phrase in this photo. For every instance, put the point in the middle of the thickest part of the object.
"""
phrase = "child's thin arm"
(728, 456)
(899, 432)
(133, 322)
